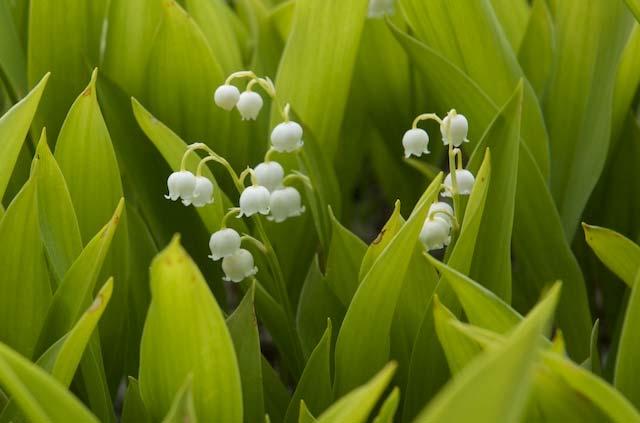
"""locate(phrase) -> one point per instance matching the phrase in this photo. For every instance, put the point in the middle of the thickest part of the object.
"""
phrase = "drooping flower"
(284, 203)
(287, 137)
(415, 142)
(226, 96)
(442, 210)
(435, 233)
(238, 266)
(269, 175)
(202, 193)
(249, 105)
(181, 184)
(464, 179)
(454, 129)
(254, 199)
(224, 243)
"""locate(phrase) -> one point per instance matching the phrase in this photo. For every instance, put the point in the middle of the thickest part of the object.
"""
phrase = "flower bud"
(287, 137)
(415, 141)
(223, 243)
(464, 179)
(249, 105)
(454, 129)
(181, 185)
(269, 175)
(226, 96)
(238, 266)
(254, 199)
(285, 203)
(435, 233)
(441, 210)
(202, 194)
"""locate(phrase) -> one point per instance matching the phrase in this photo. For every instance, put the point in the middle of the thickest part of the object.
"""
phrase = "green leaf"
(183, 408)
(634, 5)
(186, 324)
(627, 365)
(25, 291)
(512, 16)
(57, 43)
(365, 334)
(355, 406)
(314, 387)
(13, 64)
(380, 243)
(492, 263)
(389, 407)
(495, 386)
(466, 35)
(536, 53)
(134, 410)
(131, 29)
(243, 329)
(626, 84)
(58, 222)
(618, 253)
(305, 415)
(14, 127)
(26, 381)
(172, 149)
(320, 97)
(276, 396)
(577, 106)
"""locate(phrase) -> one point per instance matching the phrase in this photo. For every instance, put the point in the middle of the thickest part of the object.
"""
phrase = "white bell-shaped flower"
(415, 142)
(454, 129)
(181, 185)
(238, 266)
(284, 203)
(435, 233)
(224, 243)
(254, 199)
(465, 181)
(226, 96)
(202, 193)
(441, 210)
(249, 105)
(287, 137)
(269, 175)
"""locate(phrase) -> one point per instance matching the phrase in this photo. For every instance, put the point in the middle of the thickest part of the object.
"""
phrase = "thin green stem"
(232, 211)
(454, 182)
(240, 74)
(257, 243)
(297, 176)
(425, 116)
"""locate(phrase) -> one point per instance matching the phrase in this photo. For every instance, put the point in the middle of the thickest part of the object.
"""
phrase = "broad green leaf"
(172, 149)
(63, 52)
(26, 382)
(492, 263)
(181, 77)
(130, 32)
(246, 340)
(186, 324)
(380, 243)
(88, 162)
(355, 406)
(316, 304)
(626, 84)
(14, 127)
(183, 408)
(58, 222)
(314, 387)
(465, 33)
(634, 5)
(512, 16)
(618, 253)
(627, 365)
(577, 105)
(305, 415)
(365, 334)
(595, 363)
(389, 407)
(25, 291)
(276, 396)
(13, 65)
(495, 386)
(343, 262)
(134, 410)
(536, 53)
(306, 76)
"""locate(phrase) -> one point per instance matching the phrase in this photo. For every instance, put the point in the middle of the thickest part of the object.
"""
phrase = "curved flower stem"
(268, 154)
(232, 211)
(216, 158)
(241, 74)
(257, 243)
(453, 218)
(425, 116)
(457, 152)
(244, 173)
(454, 182)
(299, 177)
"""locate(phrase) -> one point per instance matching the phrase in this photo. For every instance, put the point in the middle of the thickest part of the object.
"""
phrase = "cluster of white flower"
(268, 193)
(441, 218)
